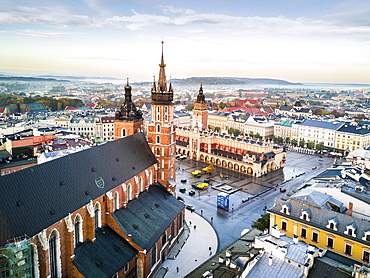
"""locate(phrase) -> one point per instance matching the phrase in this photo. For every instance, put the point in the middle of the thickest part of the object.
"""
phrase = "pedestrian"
(195, 226)
(210, 248)
(177, 269)
(211, 219)
(210, 253)
(190, 223)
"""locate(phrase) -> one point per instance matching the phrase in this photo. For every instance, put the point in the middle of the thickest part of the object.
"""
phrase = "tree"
(257, 135)
(190, 106)
(310, 145)
(320, 146)
(301, 143)
(262, 223)
(222, 105)
(294, 142)
(287, 140)
(217, 129)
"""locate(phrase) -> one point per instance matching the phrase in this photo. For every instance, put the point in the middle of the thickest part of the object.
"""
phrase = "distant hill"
(26, 78)
(232, 81)
(71, 77)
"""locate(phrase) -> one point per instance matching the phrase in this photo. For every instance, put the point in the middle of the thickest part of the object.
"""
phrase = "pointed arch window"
(140, 184)
(158, 128)
(54, 255)
(154, 255)
(150, 177)
(116, 201)
(129, 192)
(158, 139)
(97, 216)
(123, 132)
(78, 230)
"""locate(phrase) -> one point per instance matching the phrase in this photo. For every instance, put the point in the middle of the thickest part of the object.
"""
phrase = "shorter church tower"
(161, 130)
(129, 120)
(200, 111)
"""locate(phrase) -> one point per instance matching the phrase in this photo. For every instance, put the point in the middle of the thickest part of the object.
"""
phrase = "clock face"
(99, 182)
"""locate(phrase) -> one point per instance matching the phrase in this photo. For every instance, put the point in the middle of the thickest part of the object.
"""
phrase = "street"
(244, 208)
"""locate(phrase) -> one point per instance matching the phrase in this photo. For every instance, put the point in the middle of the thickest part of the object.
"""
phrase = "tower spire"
(162, 85)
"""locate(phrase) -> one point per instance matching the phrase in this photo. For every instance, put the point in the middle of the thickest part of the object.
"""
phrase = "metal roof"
(147, 217)
(105, 256)
(321, 124)
(37, 197)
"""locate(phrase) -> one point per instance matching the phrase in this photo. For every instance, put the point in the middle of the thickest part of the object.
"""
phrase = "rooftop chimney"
(350, 208)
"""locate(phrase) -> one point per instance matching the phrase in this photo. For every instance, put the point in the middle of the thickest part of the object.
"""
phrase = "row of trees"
(301, 143)
(50, 103)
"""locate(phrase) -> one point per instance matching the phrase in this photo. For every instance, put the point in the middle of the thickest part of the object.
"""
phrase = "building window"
(348, 249)
(158, 128)
(164, 239)
(78, 229)
(331, 226)
(141, 184)
(330, 243)
(315, 237)
(129, 193)
(115, 275)
(116, 201)
(150, 177)
(154, 255)
(365, 255)
(284, 225)
(97, 216)
(54, 255)
(123, 132)
(158, 139)
(350, 232)
(303, 232)
(126, 267)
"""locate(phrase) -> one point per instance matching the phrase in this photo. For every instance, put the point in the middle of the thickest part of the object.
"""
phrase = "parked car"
(282, 190)
(190, 207)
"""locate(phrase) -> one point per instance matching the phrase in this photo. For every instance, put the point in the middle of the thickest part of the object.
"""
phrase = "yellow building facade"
(322, 226)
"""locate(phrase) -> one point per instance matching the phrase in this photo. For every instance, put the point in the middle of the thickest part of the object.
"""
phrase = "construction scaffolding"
(16, 260)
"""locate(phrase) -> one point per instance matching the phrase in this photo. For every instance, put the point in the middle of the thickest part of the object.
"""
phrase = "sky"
(311, 41)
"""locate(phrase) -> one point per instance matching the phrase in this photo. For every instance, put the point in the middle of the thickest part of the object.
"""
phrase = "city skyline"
(297, 41)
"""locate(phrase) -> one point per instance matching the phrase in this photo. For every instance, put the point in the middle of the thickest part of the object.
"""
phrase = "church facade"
(107, 211)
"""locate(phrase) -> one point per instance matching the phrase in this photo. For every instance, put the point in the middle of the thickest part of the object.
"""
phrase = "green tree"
(222, 105)
(311, 145)
(257, 135)
(190, 106)
(302, 143)
(320, 146)
(294, 142)
(217, 129)
(262, 223)
(287, 140)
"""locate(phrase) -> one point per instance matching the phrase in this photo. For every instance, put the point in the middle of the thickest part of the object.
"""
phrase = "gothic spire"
(162, 85)
(154, 87)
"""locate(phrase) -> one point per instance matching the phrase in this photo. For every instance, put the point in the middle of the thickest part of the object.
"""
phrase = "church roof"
(37, 197)
(148, 216)
(105, 256)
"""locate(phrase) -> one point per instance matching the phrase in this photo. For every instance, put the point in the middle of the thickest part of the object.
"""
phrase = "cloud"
(62, 17)
(38, 33)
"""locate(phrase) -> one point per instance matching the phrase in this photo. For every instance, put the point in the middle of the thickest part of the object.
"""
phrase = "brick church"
(108, 211)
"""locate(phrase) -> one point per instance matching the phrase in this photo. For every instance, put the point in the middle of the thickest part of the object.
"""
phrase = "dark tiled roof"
(321, 268)
(37, 197)
(354, 129)
(147, 217)
(105, 256)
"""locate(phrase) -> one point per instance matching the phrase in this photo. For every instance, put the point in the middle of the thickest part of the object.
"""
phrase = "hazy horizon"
(297, 41)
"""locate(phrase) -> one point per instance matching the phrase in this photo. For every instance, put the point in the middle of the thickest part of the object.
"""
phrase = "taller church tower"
(200, 111)
(128, 119)
(161, 130)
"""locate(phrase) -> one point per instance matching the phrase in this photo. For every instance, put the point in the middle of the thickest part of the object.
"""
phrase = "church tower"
(161, 130)
(200, 111)
(128, 119)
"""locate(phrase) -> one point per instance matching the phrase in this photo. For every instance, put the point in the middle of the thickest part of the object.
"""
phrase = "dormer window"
(351, 229)
(366, 235)
(306, 215)
(285, 208)
(333, 224)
